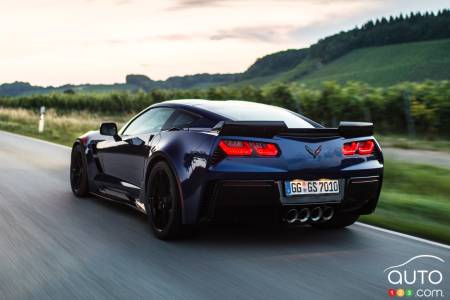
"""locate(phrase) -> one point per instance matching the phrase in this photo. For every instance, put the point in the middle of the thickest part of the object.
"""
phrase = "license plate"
(303, 187)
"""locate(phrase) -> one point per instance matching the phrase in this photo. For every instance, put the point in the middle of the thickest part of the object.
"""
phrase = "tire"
(338, 221)
(163, 202)
(78, 172)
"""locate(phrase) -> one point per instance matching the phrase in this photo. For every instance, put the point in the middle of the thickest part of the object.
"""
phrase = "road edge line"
(35, 139)
(403, 235)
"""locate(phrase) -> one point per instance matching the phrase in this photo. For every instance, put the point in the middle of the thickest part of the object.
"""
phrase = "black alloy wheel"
(78, 172)
(164, 202)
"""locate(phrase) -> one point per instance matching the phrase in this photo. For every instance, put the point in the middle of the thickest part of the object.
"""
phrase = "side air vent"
(207, 203)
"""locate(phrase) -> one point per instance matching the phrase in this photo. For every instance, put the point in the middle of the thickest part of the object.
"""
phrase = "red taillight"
(245, 148)
(361, 147)
(350, 148)
(236, 148)
(366, 147)
(265, 149)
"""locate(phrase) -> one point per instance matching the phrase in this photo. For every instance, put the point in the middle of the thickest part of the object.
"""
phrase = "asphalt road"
(55, 246)
(434, 158)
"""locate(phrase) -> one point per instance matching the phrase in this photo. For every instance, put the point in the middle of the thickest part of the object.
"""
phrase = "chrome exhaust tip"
(291, 216)
(328, 213)
(316, 214)
(303, 215)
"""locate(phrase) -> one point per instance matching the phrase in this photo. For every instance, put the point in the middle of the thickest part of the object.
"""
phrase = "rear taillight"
(350, 148)
(361, 147)
(366, 147)
(236, 148)
(245, 148)
(265, 149)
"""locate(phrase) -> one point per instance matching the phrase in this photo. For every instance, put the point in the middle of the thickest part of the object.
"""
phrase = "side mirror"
(109, 129)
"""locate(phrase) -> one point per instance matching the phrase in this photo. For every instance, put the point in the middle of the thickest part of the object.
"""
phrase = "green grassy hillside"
(378, 66)
(387, 65)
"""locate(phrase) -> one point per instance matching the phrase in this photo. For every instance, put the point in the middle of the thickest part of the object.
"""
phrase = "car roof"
(217, 110)
(193, 105)
(209, 106)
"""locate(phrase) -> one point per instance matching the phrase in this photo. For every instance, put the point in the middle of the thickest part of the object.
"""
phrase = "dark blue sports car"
(188, 162)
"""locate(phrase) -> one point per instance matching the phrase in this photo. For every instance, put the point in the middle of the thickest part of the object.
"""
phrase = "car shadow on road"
(254, 234)
(240, 237)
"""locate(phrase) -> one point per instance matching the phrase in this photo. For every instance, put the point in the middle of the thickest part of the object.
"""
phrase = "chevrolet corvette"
(188, 162)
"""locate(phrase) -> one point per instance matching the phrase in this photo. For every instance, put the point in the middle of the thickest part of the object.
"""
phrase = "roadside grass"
(59, 128)
(419, 143)
(415, 199)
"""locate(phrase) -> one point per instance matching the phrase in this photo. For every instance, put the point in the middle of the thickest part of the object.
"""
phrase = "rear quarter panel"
(187, 152)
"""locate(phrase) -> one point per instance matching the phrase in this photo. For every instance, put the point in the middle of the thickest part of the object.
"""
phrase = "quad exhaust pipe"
(316, 214)
(303, 215)
(291, 216)
(327, 213)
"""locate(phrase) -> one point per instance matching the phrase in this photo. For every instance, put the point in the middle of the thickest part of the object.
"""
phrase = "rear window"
(183, 119)
(249, 111)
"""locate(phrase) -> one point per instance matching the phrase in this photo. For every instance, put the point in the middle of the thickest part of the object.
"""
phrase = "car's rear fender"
(187, 153)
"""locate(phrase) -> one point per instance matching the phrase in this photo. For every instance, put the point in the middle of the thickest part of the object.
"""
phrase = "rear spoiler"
(265, 129)
(268, 129)
(355, 129)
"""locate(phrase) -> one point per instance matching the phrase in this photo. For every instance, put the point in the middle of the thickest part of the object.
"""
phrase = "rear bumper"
(228, 199)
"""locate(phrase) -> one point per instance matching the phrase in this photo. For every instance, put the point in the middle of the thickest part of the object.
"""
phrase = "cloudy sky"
(53, 42)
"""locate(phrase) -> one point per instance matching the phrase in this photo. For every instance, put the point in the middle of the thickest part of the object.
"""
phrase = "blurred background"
(387, 62)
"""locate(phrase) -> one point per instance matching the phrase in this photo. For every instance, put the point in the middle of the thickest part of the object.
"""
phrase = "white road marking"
(35, 139)
(403, 235)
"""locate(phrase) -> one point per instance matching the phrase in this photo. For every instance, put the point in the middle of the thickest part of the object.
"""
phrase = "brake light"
(361, 147)
(350, 148)
(245, 148)
(366, 147)
(265, 149)
(236, 148)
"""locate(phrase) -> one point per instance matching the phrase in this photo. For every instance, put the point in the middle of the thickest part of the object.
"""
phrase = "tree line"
(426, 105)
(385, 31)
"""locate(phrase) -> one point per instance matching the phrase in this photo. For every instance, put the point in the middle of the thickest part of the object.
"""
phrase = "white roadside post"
(41, 120)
